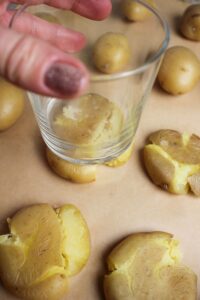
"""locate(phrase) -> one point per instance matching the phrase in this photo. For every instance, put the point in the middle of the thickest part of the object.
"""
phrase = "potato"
(135, 11)
(111, 52)
(172, 161)
(43, 248)
(73, 172)
(47, 17)
(76, 241)
(179, 71)
(147, 266)
(12, 101)
(190, 23)
(121, 159)
(91, 119)
(82, 173)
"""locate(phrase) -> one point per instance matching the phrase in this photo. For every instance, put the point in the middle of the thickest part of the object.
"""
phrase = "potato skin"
(111, 52)
(69, 171)
(179, 71)
(134, 265)
(134, 11)
(44, 247)
(190, 23)
(12, 101)
(37, 229)
(172, 161)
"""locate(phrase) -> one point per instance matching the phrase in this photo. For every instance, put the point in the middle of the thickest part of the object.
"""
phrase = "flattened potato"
(76, 241)
(91, 119)
(43, 248)
(73, 172)
(194, 182)
(47, 17)
(121, 159)
(172, 160)
(147, 266)
(135, 11)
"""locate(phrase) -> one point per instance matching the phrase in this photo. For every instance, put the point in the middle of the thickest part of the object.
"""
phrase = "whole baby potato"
(190, 23)
(179, 71)
(111, 52)
(12, 100)
(135, 11)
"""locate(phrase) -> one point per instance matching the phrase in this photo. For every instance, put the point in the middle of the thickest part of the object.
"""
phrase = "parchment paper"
(122, 200)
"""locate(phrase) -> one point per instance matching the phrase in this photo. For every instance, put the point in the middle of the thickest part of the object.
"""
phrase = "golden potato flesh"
(135, 11)
(172, 159)
(147, 266)
(33, 262)
(111, 52)
(73, 172)
(76, 242)
(179, 71)
(88, 120)
(190, 23)
(121, 159)
(12, 101)
(88, 123)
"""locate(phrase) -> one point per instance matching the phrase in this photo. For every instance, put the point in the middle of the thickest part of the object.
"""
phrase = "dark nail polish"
(64, 79)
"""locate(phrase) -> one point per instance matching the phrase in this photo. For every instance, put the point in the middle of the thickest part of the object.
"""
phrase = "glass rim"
(127, 73)
(153, 59)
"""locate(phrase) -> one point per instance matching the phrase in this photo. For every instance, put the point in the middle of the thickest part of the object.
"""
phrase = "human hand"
(35, 54)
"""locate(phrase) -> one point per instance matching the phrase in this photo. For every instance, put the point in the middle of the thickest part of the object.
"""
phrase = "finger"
(3, 6)
(38, 66)
(65, 39)
(92, 9)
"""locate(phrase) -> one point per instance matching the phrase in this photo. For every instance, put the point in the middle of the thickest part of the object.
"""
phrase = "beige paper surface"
(122, 200)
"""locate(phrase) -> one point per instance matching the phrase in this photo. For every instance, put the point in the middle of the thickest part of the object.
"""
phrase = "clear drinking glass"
(97, 132)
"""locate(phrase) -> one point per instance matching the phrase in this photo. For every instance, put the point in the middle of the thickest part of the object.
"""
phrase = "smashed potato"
(190, 23)
(82, 173)
(111, 52)
(44, 247)
(121, 159)
(179, 71)
(73, 172)
(147, 266)
(47, 17)
(172, 161)
(88, 120)
(12, 102)
(135, 11)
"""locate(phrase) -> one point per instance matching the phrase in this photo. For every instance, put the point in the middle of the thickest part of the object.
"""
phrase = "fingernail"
(64, 79)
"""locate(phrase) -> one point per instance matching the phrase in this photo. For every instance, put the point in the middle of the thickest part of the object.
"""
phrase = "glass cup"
(100, 125)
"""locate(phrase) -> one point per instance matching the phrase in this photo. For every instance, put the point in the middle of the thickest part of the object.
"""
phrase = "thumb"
(40, 67)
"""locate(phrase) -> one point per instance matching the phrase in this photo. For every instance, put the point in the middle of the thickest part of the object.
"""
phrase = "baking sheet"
(122, 200)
